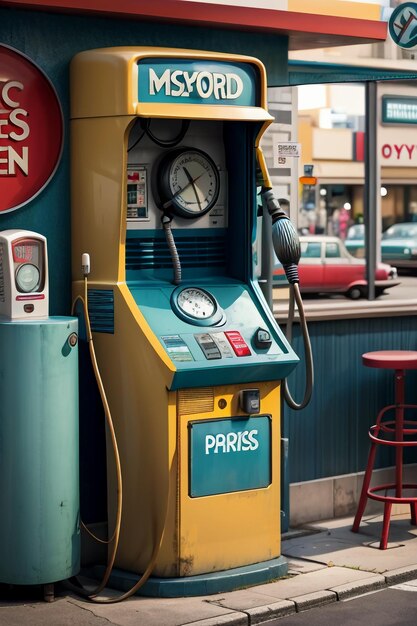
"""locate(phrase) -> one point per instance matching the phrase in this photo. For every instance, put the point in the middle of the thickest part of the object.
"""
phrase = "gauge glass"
(194, 182)
(27, 277)
(196, 303)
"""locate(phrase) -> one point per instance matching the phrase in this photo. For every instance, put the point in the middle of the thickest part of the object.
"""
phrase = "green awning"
(310, 72)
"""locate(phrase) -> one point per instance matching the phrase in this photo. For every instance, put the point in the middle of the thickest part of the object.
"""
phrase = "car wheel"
(354, 293)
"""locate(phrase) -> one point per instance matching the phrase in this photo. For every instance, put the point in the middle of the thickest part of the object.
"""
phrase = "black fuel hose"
(287, 249)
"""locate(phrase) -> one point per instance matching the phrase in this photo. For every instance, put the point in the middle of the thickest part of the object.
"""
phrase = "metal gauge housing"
(196, 306)
(187, 182)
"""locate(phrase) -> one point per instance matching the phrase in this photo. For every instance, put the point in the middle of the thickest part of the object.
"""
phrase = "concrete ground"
(327, 563)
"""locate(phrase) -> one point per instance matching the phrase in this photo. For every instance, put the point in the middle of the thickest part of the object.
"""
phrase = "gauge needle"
(192, 183)
(180, 191)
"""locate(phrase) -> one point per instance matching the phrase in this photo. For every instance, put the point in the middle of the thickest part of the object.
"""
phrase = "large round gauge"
(187, 182)
(196, 306)
(27, 277)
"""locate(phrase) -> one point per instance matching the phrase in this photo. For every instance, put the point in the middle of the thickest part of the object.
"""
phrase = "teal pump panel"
(212, 321)
(39, 488)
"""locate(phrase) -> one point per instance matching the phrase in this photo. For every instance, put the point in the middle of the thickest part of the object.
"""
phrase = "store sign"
(399, 109)
(282, 151)
(196, 82)
(402, 25)
(31, 130)
(399, 152)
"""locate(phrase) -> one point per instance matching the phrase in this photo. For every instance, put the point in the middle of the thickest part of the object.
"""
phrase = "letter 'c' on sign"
(31, 130)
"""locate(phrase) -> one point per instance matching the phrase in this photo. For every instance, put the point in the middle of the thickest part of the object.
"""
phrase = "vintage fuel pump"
(165, 152)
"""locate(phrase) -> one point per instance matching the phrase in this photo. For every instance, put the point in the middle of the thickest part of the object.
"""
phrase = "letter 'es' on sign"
(31, 130)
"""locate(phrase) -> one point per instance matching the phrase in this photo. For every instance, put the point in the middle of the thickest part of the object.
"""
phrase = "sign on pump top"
(196, 82)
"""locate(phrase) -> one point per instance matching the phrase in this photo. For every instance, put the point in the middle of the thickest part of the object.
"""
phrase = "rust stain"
(187, 565)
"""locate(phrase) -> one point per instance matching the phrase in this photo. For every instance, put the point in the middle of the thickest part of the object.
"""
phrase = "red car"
(327, 267)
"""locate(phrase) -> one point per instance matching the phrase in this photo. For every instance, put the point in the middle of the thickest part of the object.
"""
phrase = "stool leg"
(365, 486)
(413, 507)
(399, 430)
(385, 526)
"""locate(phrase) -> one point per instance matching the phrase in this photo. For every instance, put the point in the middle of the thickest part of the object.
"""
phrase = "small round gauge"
(27, 277)
(197, 306)
(196, 303)
(187, 182)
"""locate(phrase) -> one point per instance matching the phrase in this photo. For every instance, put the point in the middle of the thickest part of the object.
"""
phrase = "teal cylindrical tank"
(39, 486)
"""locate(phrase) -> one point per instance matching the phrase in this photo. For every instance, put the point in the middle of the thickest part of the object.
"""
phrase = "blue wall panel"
(329, 437)
(51, 40)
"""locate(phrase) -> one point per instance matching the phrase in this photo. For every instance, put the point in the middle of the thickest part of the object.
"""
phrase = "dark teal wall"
(51, 40)
(329, 437)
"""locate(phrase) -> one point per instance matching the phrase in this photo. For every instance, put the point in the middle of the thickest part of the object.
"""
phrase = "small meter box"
(137, 202)
(23, 275)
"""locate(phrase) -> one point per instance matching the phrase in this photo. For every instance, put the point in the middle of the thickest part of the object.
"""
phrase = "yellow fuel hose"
(114, 539)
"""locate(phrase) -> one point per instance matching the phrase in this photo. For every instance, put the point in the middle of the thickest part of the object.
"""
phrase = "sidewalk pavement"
(327, 563)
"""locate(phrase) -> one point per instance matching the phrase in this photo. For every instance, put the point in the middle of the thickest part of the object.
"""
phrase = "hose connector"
(176, 263)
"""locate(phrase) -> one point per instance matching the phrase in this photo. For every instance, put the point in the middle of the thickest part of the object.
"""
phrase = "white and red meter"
(23, 275)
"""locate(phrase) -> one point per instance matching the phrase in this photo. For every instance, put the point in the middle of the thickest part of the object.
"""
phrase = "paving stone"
(233, 619)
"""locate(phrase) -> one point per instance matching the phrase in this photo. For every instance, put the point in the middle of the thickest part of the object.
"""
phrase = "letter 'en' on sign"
(31, 130)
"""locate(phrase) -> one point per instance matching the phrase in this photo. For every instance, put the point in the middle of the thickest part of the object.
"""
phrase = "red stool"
(393, 431)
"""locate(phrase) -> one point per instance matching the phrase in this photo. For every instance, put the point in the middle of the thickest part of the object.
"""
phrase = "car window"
(356, 232)
(400, 230)
(332, 250)
(311, 249)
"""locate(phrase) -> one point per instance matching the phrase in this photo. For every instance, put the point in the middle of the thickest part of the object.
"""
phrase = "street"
(401, 298)
(396, 605)
(406, 289)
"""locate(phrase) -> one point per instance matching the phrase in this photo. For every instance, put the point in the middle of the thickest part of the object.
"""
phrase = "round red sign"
(31, 130)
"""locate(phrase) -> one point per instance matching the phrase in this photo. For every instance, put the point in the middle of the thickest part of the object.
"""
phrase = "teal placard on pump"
(229, 455)
(196, 82)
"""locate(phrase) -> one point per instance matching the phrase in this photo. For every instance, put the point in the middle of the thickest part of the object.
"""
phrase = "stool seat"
(391, 359)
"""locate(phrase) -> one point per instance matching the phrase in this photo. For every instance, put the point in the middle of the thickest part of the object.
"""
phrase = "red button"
(238, 343)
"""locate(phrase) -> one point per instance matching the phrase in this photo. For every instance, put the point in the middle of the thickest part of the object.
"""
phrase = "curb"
(350, 590)
(297, 604)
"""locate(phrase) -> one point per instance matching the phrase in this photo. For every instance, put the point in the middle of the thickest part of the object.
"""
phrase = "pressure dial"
(27, 277)
(187, 182)
(196, 306)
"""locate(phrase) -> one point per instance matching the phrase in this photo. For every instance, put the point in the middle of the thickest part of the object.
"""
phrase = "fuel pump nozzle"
(284, 237)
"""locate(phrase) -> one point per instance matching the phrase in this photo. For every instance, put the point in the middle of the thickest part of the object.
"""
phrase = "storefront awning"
(310, 72)
(305, 30)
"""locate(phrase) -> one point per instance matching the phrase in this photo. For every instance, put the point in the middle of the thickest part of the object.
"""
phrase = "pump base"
(201, 585)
